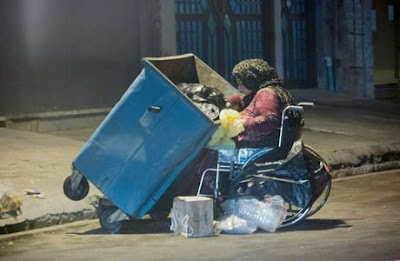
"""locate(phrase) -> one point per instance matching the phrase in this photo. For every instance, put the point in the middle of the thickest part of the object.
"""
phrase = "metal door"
(297, 43)
(220, 32)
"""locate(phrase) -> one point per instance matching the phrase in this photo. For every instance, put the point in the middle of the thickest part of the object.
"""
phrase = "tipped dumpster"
(147, 139)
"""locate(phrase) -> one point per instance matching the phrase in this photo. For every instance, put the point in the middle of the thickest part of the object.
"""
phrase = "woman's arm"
(262, 116)
(236, 99)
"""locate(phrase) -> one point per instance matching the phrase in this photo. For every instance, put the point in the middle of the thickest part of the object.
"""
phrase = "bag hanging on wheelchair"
(282, 171)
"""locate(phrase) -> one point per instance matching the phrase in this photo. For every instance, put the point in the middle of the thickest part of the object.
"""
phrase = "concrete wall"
(346, 37)
(384, 43)
(325, 41)
(76, 54)
(278, 42)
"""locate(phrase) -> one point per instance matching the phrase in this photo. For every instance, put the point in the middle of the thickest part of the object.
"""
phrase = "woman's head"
(253, 73)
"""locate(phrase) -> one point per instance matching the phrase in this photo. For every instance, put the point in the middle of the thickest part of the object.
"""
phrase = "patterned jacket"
(261, 118)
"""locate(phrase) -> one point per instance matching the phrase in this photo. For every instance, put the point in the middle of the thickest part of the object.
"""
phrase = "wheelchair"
(232, 165)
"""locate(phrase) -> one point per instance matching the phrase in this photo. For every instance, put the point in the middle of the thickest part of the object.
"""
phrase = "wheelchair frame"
(231, 168)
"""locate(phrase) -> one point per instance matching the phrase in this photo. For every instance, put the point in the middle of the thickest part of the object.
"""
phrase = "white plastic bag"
(267, 215)
(235, 225)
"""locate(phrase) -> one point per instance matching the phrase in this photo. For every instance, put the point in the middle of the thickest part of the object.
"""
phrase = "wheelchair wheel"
(320, 202)
(294, 215)
(311, 154)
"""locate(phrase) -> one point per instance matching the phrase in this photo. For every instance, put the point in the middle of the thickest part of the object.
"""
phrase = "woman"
(261, 102)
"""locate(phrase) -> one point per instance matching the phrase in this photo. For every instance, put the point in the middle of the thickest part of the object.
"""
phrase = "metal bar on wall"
(231, 30)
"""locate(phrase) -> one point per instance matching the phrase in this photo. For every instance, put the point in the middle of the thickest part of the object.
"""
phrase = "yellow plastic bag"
(216, 138)
(226, 144)
(227, 116)
(235, 128)
(231, 126)
(221, 143)
(231, 122)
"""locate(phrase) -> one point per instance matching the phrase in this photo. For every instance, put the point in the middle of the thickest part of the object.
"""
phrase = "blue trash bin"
(150, 135)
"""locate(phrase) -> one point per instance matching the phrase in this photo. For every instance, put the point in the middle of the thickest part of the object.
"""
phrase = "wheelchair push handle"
(299, 108)
(306, 104)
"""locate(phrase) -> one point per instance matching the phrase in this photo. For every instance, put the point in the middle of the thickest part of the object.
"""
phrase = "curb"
(365, 169)
(361, 160)
(21, 234)
(48, 220)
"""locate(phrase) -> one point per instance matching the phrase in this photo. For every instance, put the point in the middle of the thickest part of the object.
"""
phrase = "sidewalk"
(39, 162)
(354, 135)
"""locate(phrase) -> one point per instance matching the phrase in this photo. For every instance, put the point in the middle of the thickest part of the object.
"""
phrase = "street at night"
(359, 222)
(193, 129)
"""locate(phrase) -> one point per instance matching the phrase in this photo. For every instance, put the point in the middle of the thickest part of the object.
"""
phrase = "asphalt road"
(360, 222)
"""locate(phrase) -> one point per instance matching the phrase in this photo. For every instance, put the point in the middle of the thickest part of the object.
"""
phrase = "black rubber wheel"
(321, 200)
(104, 212)
(294, 215)
(310, 153)
(79, 193)
(159, 215)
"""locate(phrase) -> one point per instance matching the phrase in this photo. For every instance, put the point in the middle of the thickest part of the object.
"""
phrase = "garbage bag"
(219, 141)
(216, 138)
(279, 172)
(209, 99)
(231, 125)
(235, 225)
(227, 117)
(267, 214)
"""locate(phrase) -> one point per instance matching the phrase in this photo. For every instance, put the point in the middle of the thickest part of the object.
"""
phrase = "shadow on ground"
(316, 224)
(137, 227)
(163, 227)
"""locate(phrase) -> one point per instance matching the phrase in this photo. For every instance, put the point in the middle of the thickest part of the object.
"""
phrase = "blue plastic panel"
(136, 154)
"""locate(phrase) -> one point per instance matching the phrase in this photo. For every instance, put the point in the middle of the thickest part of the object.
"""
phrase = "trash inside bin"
(209, 100)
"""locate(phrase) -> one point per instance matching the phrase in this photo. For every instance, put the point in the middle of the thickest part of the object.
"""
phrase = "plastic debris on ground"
(267, 214)
(235, 225)
(35, 193)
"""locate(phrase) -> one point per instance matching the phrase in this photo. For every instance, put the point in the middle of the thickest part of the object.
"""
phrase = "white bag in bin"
(235, 225)
(267, 215)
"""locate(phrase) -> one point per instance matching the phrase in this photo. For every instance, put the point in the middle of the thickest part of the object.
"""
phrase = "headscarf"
(255, 74)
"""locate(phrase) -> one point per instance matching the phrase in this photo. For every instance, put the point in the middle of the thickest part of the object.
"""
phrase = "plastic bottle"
(266, 215)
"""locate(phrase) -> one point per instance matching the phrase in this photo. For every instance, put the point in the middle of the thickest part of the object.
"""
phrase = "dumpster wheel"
(159, 215)
(76, 194)
(104, 213)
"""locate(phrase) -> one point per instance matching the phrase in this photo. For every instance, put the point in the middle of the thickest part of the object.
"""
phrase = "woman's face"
(243, 89)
